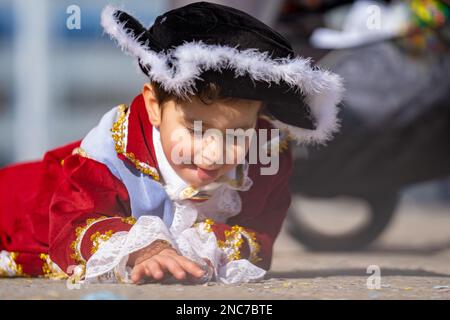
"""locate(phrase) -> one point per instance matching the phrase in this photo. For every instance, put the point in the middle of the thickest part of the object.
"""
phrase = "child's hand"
(147, 263)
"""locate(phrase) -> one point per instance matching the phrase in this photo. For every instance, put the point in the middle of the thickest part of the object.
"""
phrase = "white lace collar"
(178, 189)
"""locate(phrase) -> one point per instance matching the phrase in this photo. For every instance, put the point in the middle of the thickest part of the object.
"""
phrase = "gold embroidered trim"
(208, 225)
(80, 151)
(234, 239)
(232, 244)
(193, 193)
(98, 238)
(129, 220)
(79, 231)
(118, 135)
(50, 269)
(255, 247)
(15, 269)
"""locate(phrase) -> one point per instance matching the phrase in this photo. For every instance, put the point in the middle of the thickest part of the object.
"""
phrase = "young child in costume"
(116, 207)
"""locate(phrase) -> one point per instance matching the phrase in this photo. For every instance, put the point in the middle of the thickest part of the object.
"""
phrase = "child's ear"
(152, 105)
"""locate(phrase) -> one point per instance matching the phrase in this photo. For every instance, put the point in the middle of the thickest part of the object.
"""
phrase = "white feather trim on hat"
(323, 89)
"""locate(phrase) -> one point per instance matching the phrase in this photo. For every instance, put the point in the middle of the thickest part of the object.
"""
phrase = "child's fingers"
(190, 266)
(170, 264)
(153, 269)
(137, 273)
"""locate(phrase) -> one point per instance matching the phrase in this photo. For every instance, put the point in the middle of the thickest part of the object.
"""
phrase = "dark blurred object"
(308, 6)
(395, 131)
(299, 18)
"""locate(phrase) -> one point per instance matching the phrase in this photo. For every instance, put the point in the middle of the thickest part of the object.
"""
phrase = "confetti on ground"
(440, 287)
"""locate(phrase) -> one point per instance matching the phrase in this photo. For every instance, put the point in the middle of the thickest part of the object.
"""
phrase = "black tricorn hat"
(205, 42)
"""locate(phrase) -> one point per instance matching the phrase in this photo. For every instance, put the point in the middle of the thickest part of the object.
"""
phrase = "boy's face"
(205, 157)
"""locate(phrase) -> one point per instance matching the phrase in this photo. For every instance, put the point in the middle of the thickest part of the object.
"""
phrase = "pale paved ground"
(414, 257)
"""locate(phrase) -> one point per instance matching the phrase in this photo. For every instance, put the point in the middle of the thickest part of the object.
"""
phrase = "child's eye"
(193, 131)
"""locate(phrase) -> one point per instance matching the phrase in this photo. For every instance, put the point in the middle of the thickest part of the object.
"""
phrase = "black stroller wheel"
(381, 211)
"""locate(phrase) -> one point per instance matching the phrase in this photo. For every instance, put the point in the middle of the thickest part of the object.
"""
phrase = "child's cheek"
(181, 147)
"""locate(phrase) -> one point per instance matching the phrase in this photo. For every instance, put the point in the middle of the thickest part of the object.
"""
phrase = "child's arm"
(88, 207)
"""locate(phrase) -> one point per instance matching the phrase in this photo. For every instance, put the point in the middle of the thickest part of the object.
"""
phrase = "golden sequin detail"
(118, 135)
(80, 151)
(79, 232)
(50, 270)
(129, 220)
(232, 244)
(255, 247)
(15, 269)
(234, 239)
(98, 238)
(208, 225)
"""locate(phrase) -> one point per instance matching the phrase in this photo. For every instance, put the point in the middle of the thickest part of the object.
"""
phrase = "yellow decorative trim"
(129, 220)
(233, 243)
(193, 193)
(188, 192)
(208, 225)
(118, 135)
(234, 239)
(51, 270)
(80, 151)
(97, 238)
(17, 268)
(255, 247)
(75, 245)
(12, 268)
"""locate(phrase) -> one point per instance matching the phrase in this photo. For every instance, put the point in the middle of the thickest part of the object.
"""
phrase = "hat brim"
(179, 69)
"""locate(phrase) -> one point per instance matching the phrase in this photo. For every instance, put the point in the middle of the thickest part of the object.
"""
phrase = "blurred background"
(58, 75)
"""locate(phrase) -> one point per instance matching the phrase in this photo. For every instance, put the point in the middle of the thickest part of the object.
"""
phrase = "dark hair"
(208, 94)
